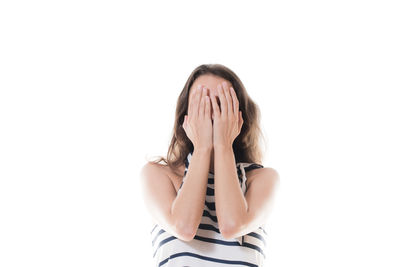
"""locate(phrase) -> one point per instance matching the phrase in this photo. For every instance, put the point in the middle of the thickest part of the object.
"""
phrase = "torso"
(250, 247)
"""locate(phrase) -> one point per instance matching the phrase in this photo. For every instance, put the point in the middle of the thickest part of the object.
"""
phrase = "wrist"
(223, 147)
(202, 149)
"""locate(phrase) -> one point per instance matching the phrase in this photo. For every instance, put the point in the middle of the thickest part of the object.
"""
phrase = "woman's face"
(210, 82)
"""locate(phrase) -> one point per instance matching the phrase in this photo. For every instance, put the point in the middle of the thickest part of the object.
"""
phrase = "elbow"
(226, 234)
(229, 231)
(184, 232)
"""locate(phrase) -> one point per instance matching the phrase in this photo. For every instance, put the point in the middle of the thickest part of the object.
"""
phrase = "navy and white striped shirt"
(209, 247)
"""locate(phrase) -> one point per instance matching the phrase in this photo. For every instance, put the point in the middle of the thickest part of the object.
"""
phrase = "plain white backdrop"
(88, 90)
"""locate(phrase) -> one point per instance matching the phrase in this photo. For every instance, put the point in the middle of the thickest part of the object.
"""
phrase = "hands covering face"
(227, 119)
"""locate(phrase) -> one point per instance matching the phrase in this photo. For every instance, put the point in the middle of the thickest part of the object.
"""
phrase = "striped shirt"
(209, 247)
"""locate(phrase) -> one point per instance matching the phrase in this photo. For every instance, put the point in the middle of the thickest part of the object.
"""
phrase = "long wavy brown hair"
(247, 146)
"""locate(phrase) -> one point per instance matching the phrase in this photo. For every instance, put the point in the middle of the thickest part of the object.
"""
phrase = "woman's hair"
(246, 146)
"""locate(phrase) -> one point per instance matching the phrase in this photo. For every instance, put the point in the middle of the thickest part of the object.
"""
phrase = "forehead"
(210, 81)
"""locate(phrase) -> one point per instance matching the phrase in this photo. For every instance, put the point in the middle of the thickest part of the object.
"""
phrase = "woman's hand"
(197, 124)
(228, 119)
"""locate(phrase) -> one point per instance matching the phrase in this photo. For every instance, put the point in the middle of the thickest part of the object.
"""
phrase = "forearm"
(188, 205)
(231, 205)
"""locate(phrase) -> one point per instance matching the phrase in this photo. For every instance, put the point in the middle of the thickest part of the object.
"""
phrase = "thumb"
(240, 120)
(184, 122)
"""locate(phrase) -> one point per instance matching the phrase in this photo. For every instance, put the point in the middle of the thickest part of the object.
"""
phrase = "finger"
(205, 101)
(222, 100)
(202, 104)
(228, 98)
(215, 107)
(235, 103)
(208, 108)
(197, 101)
(191, 99)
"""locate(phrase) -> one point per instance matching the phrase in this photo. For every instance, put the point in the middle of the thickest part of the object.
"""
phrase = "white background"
(89, 88)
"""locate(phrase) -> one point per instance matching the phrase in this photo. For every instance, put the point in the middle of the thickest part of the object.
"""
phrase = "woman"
(211, 199)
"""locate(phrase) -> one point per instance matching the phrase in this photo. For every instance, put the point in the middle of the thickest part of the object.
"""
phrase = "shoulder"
(152, 170)
(151, 166)
(261, 173)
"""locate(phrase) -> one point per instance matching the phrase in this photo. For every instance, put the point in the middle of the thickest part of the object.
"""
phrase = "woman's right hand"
(197, 123)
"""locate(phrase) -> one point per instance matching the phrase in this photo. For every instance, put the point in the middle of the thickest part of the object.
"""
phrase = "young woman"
(211, 199)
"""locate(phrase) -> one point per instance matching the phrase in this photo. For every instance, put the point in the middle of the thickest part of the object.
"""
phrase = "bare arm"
(180, 215)
(239, 214)
(188, 206)
(230, 203)
(159, 193)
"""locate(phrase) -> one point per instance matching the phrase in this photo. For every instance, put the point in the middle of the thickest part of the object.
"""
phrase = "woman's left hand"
(228, 119)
